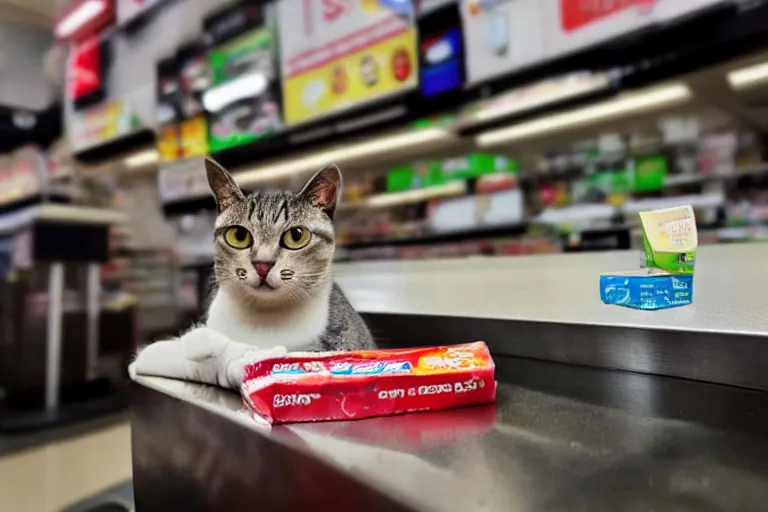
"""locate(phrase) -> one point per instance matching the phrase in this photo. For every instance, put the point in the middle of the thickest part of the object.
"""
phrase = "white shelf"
(18, 219)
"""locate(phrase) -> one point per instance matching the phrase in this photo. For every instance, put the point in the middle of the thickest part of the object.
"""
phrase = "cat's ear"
(324, 188)
(222, 185)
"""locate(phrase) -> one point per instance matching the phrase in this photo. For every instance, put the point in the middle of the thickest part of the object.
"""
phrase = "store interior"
(465, 129)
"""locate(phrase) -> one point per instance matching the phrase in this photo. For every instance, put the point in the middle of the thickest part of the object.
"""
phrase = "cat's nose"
(263, 268)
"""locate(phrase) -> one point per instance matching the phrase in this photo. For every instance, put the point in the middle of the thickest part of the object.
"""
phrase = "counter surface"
(729, 289)
(560, 438)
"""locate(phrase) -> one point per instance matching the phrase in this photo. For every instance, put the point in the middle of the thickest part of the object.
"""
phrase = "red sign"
(84, 71)
(577, 13)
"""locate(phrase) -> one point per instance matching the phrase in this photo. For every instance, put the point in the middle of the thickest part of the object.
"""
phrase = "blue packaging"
(646, 289)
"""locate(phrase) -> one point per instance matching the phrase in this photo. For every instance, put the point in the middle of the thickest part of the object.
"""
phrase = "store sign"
(182, 180)
(441, 51)
(129, 9)
(339, 54)
(21, 175)
(243, 103)
(575, 15)
(100, 124)
(193, 135)
(501, 36)
(569, 25)
(85, 72)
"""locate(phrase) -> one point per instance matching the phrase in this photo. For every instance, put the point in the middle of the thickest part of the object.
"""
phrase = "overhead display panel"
(441, 51)
(501, 36)
(243, 100)
(340, 54)
(571, 25)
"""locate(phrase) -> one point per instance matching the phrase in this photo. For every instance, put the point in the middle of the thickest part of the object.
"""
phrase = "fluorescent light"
(147, 157)
(746, 77)
(610, 109)
(340, 154)
(82, 14)
(453, 188)
(555, 92)
(245, 86)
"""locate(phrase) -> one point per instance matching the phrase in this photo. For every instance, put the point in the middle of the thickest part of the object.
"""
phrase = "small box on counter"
(670, 241)
(354, 385)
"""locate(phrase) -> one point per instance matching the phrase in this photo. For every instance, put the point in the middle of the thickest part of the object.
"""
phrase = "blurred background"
(472, 128)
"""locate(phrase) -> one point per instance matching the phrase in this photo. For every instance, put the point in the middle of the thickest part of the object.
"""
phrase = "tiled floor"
(58, 473)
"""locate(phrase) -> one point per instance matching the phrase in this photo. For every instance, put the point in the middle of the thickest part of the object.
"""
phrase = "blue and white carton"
(670, 241)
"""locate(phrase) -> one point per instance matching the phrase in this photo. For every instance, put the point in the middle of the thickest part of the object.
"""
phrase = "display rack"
(52, 238)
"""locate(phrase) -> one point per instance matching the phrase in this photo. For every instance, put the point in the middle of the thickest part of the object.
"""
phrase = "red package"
(355, 385)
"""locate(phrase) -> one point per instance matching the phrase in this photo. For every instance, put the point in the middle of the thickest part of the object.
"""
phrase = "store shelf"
(59, 213)
(452, 189)
(694, 200)
(690, 179)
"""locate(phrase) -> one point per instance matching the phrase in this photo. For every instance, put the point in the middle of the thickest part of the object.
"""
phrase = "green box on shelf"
(400, 178)
(475, 165)
(650, 173)
(225, 61)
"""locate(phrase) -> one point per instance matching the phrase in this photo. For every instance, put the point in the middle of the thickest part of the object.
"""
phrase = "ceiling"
(28, 12)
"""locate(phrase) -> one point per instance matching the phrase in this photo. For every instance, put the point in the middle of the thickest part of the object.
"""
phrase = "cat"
(274, 288)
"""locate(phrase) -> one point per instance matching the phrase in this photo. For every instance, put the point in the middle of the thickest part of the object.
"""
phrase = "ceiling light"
(147, 157)
(242, 87)
(453, 188)
(340, 154)
(79, 16)
(749, 76)
(610, 109)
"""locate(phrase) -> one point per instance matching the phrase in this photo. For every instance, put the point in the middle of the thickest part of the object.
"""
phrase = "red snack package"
(355, 385)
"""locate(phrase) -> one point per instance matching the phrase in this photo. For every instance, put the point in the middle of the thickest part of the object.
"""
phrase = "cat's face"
(274, 246)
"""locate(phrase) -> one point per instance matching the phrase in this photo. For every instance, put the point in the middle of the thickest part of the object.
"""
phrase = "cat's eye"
(295, 238)
(238, 237)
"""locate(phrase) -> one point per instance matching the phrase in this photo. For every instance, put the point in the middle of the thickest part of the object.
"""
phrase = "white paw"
(201, 355)
(204, 343)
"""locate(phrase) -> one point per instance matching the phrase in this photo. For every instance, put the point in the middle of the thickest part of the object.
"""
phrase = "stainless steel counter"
(683, 426)
(561, 438)
(548, 308)
(729, 290)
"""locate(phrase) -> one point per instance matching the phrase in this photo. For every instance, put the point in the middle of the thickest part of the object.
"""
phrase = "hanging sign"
(339, 54)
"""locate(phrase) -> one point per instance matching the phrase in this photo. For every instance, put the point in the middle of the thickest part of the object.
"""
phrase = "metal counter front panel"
(561, 437)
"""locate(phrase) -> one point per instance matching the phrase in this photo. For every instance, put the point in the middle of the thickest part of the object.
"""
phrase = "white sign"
(338, 54)
(501, 36)
(182, 180)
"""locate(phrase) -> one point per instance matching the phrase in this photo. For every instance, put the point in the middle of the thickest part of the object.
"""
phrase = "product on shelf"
(243, 101)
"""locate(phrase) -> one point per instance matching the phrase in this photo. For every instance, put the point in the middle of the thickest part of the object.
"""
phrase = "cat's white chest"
(226, 316)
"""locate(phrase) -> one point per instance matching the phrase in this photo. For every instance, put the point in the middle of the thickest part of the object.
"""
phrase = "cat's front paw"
(201, 355)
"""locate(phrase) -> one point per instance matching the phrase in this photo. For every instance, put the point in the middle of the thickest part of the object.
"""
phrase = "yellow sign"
(168, 142)
(194, 137)
(338, 55)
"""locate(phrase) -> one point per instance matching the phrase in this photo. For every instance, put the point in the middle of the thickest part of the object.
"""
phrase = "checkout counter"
(600, 408)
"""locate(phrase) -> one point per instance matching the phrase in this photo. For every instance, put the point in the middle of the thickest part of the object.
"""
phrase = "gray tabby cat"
(275, 293)
(273, 254)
